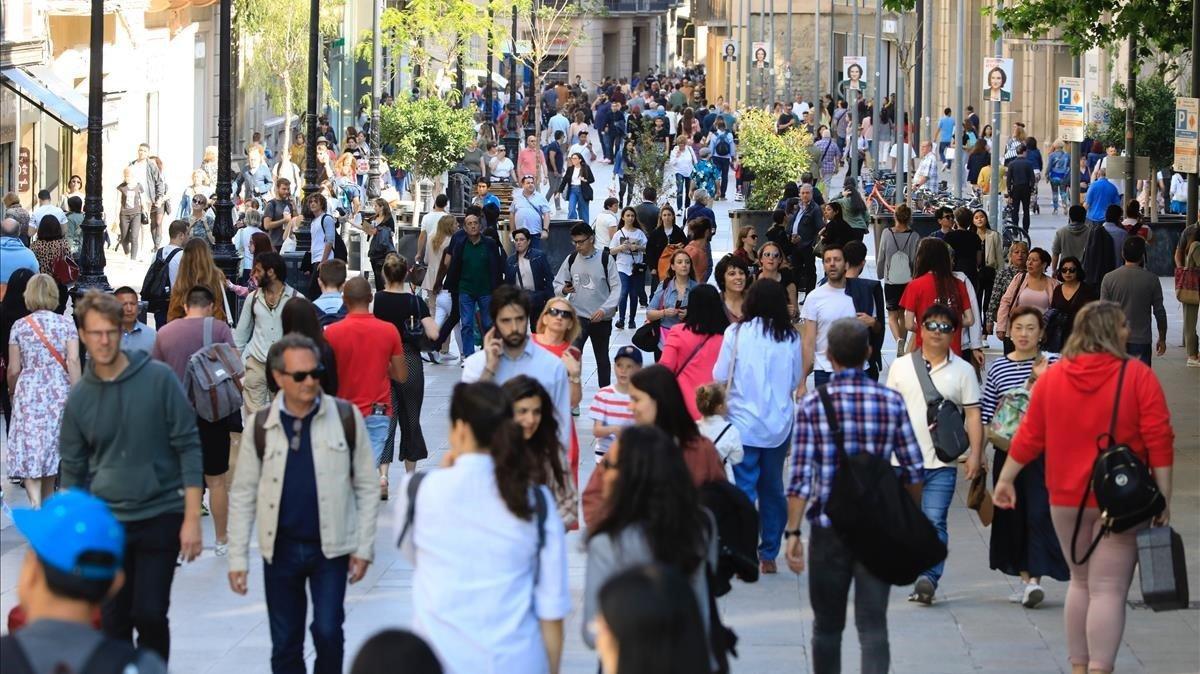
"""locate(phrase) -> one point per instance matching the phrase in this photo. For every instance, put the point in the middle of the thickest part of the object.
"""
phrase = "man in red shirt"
(368, 351)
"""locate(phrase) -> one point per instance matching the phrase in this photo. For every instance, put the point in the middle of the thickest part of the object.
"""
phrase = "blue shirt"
(529, 211)
(1100, 195)
(946, 129)
(299, 519)
(140, 338)
(329, 302)
(873, 419)
(13, 256)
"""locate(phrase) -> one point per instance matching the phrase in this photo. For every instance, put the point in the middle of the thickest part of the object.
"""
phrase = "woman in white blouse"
(490, 580)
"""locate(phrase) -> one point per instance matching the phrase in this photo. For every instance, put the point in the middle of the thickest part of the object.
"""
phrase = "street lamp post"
(224, 254)
(311, 184)
(512, 139)
(368, 208)
(91, 264)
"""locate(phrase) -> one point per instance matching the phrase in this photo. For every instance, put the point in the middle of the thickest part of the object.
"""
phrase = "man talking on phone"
(508, 351)
(588, 279)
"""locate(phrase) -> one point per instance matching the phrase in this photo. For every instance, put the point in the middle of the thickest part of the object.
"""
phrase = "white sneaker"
(1033, 595)
(1016, 597)
(221, 549)
(1193, 362)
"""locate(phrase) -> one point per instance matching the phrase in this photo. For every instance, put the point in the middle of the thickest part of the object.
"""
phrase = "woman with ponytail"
(490, 560)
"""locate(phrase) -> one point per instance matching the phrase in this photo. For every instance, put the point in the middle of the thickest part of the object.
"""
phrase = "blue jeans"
(1179, 207)
(577, 206)
(617, 153)
(467, 304)
(293, 563)
(629, 296)
(760, 477)
(377, 432)
(683, 192)
(722, 164)
(935, 503)
(1140, 351)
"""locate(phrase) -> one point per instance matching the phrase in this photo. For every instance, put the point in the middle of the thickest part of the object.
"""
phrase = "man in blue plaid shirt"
(874, 419)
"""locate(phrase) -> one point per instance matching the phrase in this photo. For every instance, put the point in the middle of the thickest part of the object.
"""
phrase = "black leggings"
(599, 332)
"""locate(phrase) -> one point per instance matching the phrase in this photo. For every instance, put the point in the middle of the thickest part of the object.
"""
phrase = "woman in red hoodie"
(1085, 382)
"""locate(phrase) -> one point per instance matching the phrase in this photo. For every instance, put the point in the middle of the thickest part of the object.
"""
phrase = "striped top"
(1003, 375)
(610, 407)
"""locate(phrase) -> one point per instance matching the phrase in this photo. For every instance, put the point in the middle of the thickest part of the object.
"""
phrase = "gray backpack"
(213, 378)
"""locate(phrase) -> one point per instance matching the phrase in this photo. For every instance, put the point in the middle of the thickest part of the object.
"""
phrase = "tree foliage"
(645, 159)
(278, 48)
(1160, 26)
(774, 159)
(1154, 120)
(426, 135)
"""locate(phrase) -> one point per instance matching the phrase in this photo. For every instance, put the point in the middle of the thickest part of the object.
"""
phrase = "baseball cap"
(630, 352)
(69, 525)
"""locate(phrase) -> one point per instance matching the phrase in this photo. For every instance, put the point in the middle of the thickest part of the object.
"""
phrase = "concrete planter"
(760, 220)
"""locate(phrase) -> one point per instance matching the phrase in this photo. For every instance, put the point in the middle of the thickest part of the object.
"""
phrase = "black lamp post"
(368, 208)
(512, 139)
(91, 263)
(224, 254)
(489, 91)
(311, 176)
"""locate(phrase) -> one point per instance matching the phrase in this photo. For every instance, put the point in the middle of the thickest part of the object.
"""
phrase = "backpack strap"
(831, 419)
(13, 659)
(208, 330)
(410, 512)
(349, 428)
(722, 433)
(1087, 490)
(260, 431)
(540, 511)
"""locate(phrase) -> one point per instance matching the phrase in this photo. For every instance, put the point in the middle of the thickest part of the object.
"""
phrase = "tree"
(278, 64)
(1154, 118)
(1163, 26)
(427, 135)
(775, 159)
(645, 159)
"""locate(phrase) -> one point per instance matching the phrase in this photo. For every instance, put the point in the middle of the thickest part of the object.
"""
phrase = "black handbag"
(875, 516)
(1125, 490)
(1162, 569)
(944, 417)
(648, 336)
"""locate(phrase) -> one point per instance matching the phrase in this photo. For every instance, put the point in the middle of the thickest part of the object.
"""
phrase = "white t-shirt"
(429, 222)
(908, 154)
(325, 231)
(241, 241)
(683, 163)
(582, 150)
(601, 224)
(625, 261)
(824, 305)
(502, 168)
(954, 379)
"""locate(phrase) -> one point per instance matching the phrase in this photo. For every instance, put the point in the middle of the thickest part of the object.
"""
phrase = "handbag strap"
(1087, 491)
(684, 363)
(932, 395)
(737, 333)
(832, 420)
(37, 330)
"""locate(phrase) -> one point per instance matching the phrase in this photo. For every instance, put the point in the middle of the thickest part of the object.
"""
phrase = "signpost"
(1071, 118)
(1186, 111)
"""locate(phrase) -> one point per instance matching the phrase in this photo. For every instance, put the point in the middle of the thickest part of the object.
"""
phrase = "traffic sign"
(1070, 109)
(1186, 111)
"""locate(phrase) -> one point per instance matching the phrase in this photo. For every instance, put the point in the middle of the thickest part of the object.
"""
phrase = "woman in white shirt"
(490, 580)
(629, 246)
(682, 163)
(760, 358)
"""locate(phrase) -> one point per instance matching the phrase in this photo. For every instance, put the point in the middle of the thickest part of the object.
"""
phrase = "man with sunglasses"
(955, 381)
(129, 435)
(306, 474)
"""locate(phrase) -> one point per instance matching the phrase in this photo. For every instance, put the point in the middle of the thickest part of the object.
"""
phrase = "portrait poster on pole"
(854, 70)
(761, 53)
(997, 79)
(729, 52)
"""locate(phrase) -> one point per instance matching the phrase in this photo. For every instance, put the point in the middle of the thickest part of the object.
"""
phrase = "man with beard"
(508, 351)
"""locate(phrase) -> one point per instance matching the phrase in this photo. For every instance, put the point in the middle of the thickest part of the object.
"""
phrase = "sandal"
(383, 488)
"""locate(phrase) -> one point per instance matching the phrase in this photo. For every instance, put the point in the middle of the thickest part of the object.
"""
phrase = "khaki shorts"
(255, 394)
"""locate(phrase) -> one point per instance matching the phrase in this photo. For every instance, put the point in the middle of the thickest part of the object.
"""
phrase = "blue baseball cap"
(70, 524)
(630, 352)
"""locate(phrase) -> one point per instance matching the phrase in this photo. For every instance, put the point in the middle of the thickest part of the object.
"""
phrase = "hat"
(630, 352)
(69, 525)
(322, 139)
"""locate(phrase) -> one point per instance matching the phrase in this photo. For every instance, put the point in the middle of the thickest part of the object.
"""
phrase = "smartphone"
(678, 304)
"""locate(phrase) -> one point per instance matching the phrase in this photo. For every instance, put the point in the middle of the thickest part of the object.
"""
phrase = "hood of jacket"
(1077, 227)
(1091, 372)
(137, 361)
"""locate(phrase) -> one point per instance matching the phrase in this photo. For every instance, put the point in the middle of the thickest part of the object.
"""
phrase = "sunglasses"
(943, 327)
(299, 377)
(752, 236)
(770, 255)
(560, 313)
(1068, 270)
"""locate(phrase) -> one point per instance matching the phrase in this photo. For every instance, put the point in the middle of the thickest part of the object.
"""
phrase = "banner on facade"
(997, 79)
(1071, 117)
(761, 51)
(1186, 110)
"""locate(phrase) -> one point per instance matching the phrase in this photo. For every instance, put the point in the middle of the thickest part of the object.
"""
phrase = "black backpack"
(110, 657)
(873, 514)
(1125, 489)
(1099, 256)
(603, 262)
(722, 144)
(737, 534)
(156, 286)
(327, 319)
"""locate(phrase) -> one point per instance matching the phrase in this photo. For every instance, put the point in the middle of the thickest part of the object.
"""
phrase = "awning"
(39, 86)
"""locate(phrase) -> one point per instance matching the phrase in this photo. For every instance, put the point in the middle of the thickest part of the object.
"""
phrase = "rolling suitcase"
(1162, 569)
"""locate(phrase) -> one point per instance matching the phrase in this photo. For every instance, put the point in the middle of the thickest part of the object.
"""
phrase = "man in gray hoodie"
(588, 279)
(129, 437)
(1071, 239)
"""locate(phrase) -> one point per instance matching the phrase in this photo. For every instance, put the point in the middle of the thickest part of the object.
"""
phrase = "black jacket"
(455, 250)
(657, 242)
(585, 183)
(1020, 173)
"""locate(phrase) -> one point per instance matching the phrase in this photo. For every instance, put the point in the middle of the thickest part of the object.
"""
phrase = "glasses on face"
(752, 236)
(560, 313)
(770, 255)
(108, 335)
(580, 242)
(1068, 270)
(943, 327)
(299, 377)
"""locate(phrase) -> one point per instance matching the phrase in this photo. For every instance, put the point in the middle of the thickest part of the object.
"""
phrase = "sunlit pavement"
(970, 628)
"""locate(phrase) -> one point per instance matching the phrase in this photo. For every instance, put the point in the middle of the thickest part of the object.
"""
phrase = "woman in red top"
(691, 349)
(935, 283)
(1085, 383)
(557, 329)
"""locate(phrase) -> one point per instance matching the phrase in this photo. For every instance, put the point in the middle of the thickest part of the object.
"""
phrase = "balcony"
(710, 12)
(639, 6)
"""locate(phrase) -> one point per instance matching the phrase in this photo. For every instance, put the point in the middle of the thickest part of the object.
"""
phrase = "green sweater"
(132, 441)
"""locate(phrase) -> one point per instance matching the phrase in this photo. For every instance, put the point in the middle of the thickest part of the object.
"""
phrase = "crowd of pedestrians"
(281, 409)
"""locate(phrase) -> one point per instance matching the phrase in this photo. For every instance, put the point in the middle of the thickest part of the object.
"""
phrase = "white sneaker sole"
(1033, 598)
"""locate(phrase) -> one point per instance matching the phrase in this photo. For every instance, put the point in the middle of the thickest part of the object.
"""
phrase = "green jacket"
(132, 441)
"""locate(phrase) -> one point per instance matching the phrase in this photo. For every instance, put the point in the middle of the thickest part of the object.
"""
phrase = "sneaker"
(621, 325)
(434, 357)
(1016, 597)
(923, 591)
(575, 411)
(1191, 362)
(1033, 595)
(221, 549)
(204, 510)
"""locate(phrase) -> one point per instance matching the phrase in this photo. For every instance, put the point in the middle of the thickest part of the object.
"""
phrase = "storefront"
(41, 118)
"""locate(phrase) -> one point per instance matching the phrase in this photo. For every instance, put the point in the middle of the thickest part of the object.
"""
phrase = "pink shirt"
(527, 162)
(691, 357)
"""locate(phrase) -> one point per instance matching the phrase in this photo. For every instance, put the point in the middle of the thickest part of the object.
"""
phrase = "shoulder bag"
(944, 417)
(54, 353)
(1125, 490)
(647, 337)
(1187, 282)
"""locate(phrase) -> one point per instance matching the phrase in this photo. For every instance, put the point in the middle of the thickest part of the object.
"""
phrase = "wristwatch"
(788, 534)
(574, 380)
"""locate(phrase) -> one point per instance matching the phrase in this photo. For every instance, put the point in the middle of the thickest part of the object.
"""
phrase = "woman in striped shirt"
(1023, 541)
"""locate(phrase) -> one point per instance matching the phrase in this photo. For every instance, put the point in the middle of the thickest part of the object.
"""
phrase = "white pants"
(442, 305)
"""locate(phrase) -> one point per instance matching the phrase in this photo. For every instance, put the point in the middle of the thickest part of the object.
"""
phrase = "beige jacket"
(347, 509)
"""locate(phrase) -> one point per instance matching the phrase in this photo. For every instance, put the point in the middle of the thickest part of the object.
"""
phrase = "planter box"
(760, 220)
(923, 224)
(1160, 253)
